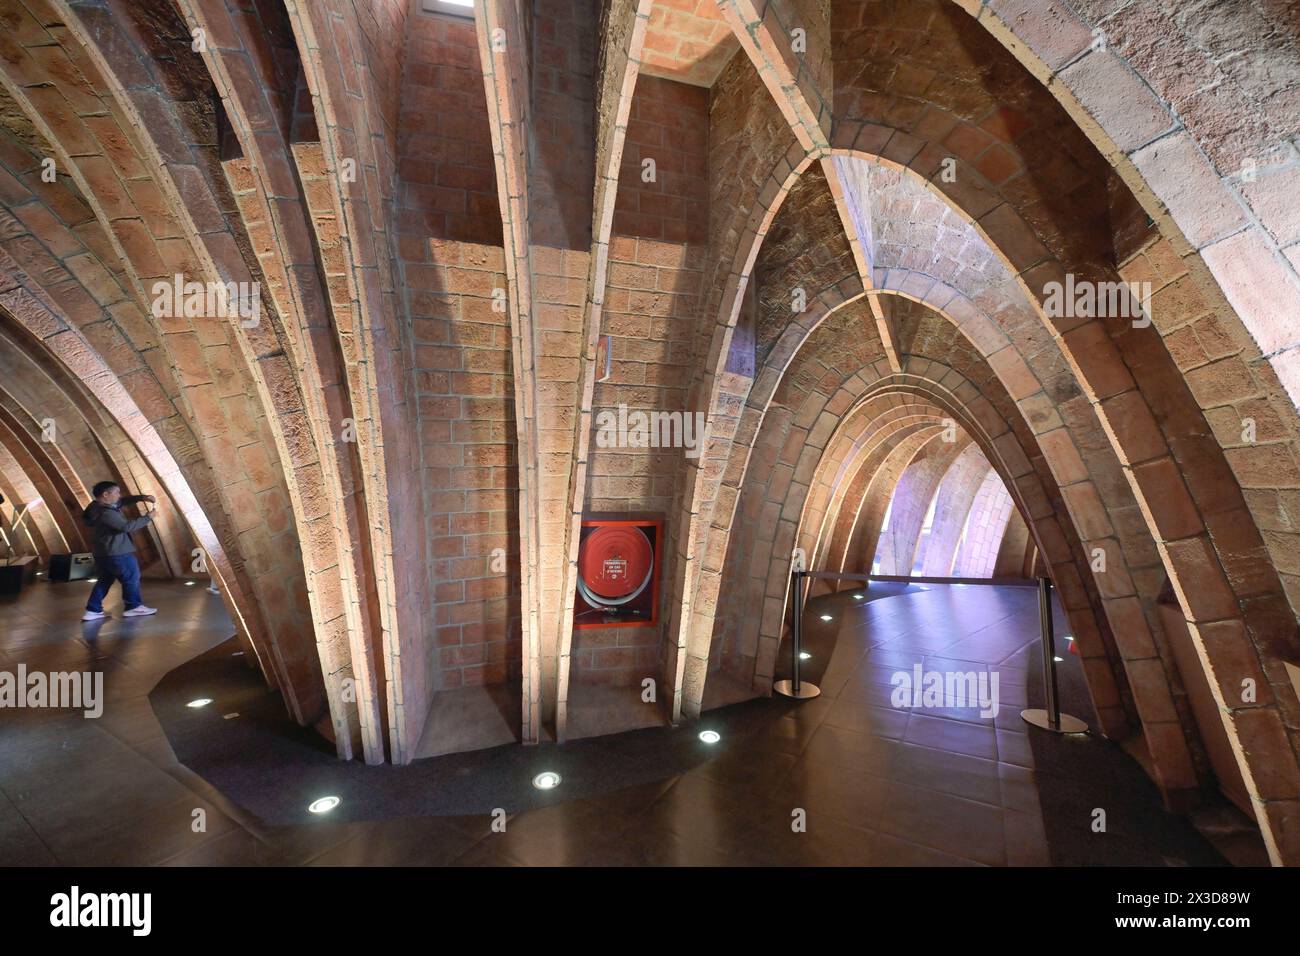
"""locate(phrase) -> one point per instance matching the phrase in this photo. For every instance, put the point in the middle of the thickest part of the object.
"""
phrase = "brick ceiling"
(687, 41)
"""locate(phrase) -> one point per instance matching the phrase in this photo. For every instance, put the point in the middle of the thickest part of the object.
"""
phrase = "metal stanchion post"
(800, 690)
(1051, 718)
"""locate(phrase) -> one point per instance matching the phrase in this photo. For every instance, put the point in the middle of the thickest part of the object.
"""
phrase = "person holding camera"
(114, 550)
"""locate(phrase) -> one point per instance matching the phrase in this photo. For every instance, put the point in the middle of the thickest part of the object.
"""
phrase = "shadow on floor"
(274, 769)
(1079, 775)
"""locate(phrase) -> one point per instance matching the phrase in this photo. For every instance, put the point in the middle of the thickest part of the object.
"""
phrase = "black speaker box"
(71, 567)
(15, 573)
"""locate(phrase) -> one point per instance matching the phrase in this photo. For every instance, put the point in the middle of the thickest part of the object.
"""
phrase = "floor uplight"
(546, 780)
(323, 805)
(200, 702)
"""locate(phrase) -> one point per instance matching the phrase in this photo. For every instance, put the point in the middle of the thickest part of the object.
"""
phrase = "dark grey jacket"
(111, 534)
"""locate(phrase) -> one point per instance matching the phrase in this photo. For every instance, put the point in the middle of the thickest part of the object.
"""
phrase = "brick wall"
(462, 360)
(448, 221)
(669, 124)
(444, 145)
(562, 175)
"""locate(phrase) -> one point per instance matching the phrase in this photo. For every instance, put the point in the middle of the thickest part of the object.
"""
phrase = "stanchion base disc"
(1068, 724)
(806, 690)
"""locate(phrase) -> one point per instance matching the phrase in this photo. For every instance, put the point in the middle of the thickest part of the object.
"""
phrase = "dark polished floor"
(876, 784)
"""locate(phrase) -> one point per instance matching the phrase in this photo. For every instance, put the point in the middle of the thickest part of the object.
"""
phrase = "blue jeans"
(121, 567)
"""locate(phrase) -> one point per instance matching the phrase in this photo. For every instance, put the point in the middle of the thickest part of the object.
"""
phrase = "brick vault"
(847, 234)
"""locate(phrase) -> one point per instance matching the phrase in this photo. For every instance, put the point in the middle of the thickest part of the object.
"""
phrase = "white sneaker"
(140, 611)
(93, 616)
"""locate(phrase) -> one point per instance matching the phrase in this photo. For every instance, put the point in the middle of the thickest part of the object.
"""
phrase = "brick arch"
(978, 326)
(87, 437)
(354, 110)
(726, 400)
(24, 430)
(1152, 455)
(887, 117)
(911, 500)
(862, 508)
(1166, 735)
(309, 385)
(1069, 443)
(1128, 423)
(1041, 64)
(956, 494)
(49, 473)
(955, 498)
(196, 185)
(943, 408)
(67, 350)
(1184, 161)
(1188, 485)
(19, 483)
(984, 528)
(851, 463)
(1116, 593)
(173, 223)
(795, 499)
(868, 452)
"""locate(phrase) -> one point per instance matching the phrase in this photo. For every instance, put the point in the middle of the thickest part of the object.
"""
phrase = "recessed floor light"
(804, 655)
(710, 736)
(1057, 658)
(547, 780)
(189, 584)
(200, 702)
(323, 805)
(857, 597)
(93, 580)
(827, 617)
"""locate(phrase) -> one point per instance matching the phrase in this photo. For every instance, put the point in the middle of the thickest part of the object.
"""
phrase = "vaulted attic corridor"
(511, 400)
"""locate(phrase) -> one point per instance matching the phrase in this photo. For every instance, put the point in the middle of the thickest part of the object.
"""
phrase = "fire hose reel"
(618, 573)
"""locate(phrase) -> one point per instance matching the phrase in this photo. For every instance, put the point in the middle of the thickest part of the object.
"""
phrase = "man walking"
(114, 550)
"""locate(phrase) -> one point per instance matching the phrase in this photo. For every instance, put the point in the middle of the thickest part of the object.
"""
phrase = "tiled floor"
(876, 784)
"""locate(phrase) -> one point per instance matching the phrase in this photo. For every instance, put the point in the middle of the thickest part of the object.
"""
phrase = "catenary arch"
(986, 521)
(1036, 177)
(1153, 707)
(76, 426)
(972, 315)
(954, 497)
(773, 559)
(850, 518)
(911, 500)
(1130, 402)
(767, 462)
(177, 373)
(860, 516)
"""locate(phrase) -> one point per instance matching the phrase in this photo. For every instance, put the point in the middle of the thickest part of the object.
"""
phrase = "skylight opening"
(462, 9)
